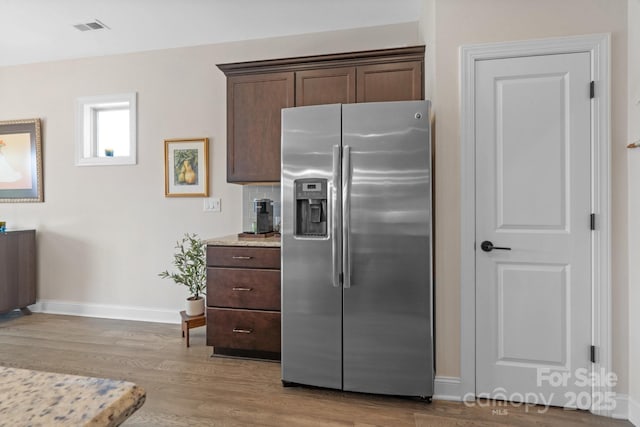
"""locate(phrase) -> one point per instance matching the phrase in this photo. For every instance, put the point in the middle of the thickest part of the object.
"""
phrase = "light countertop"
(35, 398)
(234, 240)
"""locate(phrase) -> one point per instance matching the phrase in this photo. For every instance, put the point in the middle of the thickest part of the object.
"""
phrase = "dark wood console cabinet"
(17, 270)
(258, 90)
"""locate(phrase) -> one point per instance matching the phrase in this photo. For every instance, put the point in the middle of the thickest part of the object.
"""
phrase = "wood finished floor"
(186, 387)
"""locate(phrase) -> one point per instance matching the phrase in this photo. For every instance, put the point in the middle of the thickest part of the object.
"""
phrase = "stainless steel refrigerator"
(356, 248)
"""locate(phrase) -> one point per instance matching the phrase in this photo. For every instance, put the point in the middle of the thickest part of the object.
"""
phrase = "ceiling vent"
(95, 25)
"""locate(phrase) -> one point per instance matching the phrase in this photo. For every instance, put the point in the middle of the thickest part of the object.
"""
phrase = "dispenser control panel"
(311, 189)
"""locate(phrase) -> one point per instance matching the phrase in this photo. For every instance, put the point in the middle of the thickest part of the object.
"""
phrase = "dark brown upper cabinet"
(326, 86)
(258, 90)
(254, 105)
(390, 82)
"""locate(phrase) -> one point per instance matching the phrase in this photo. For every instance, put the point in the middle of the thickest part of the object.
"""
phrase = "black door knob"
(487, 246)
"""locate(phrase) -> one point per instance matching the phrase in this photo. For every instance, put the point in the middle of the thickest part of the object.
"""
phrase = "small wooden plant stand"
(190, 322)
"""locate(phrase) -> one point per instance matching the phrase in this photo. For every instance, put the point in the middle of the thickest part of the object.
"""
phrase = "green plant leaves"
(190, 263)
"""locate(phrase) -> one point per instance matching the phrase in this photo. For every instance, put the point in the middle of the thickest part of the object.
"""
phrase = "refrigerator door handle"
(336, 249)
(346, 216)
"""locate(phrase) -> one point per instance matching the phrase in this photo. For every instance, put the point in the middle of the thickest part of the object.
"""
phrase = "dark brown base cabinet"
(17, 270)
(257, 91)
(243, 301)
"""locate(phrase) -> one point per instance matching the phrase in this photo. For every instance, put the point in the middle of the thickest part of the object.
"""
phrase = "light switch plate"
(212, 204)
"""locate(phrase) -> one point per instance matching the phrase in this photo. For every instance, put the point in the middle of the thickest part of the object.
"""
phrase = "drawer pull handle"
(242, 331)
(241, 257)
(242, 289)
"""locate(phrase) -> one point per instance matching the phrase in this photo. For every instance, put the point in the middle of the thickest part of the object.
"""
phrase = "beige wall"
(459, 22)
(105, 232)
(634, 207)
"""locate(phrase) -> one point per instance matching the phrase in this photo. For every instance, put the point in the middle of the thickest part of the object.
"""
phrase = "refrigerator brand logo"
(540, 402)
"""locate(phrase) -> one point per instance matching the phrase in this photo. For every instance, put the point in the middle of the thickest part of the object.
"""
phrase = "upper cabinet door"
(326, 86)
(400, 81)
(253, 125)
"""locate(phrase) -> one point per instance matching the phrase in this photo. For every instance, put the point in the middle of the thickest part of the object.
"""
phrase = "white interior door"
(533, 195)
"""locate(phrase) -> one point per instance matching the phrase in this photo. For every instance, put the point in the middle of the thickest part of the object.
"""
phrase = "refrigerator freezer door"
(387, 330)
(311, 300)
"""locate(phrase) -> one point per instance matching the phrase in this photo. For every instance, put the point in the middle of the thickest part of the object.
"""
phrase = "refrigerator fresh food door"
(387, 330)
(311, 245)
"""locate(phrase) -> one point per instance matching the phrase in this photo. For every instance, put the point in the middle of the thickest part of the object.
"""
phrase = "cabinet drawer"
(239, 288)
(243, 329)
(242, 256)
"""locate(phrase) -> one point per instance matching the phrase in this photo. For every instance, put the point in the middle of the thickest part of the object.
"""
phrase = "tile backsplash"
(251, 192)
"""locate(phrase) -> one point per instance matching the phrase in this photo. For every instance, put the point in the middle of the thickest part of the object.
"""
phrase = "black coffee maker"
(263, 209)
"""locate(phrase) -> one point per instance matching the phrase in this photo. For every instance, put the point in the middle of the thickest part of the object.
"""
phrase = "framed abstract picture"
(186, 163)
(21, 161)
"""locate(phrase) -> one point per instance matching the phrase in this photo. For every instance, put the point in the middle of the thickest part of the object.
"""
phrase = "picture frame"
(186, 167)
(21, 161)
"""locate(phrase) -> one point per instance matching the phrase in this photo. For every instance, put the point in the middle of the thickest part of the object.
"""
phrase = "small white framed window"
(106, 130)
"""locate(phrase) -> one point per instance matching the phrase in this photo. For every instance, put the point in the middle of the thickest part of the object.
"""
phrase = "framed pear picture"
(186, 163)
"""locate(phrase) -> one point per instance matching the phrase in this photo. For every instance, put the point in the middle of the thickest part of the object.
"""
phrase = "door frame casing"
(599, 46)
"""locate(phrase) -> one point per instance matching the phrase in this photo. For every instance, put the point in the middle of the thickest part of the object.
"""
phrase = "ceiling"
(43, 30)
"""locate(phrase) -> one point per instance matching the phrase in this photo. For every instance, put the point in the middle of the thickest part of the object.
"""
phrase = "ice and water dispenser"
(311, 207)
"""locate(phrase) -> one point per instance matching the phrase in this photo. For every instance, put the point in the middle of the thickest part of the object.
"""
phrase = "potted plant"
(189, 261)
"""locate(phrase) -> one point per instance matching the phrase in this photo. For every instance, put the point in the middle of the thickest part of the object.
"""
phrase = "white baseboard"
(447, 388)
(634, 412)
(121, 312)
(621, 411)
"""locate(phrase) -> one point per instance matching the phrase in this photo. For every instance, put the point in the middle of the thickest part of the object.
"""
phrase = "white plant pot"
(195, 307)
